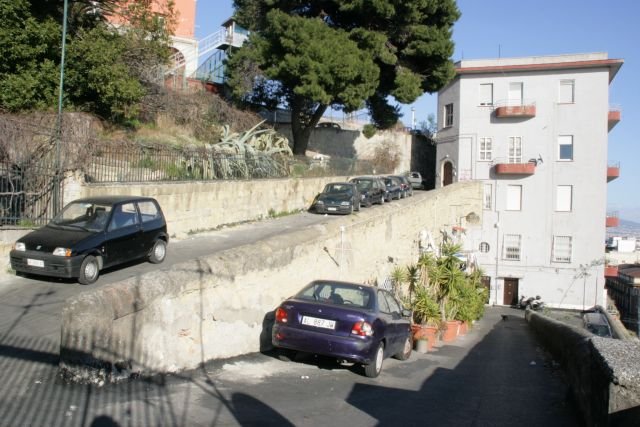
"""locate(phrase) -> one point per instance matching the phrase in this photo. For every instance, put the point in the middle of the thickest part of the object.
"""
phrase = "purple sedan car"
(348, 321)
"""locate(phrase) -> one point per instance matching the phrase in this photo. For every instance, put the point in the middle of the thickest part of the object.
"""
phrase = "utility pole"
(56, 183)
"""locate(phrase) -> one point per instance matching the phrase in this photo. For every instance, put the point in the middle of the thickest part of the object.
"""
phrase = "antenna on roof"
(499, 53)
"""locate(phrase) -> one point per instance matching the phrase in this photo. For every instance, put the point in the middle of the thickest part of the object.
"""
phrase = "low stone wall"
(219, 305)
(603, 373)
(200, 205)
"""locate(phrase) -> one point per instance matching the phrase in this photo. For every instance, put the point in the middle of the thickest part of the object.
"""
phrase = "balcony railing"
(528, 168)
(614, 116)
(521, 108)
(613, 171)
(613, 220)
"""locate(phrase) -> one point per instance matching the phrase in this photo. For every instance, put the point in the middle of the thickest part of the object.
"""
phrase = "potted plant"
(426, 315)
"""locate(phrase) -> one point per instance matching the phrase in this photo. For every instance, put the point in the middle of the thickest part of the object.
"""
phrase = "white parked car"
(416, 180)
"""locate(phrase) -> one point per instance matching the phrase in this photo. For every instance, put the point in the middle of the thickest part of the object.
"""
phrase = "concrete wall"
(200, 205)
(217, 306)
(351, 143)
(603, 373)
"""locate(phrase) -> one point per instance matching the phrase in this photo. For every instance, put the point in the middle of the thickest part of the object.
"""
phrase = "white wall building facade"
(534, 130)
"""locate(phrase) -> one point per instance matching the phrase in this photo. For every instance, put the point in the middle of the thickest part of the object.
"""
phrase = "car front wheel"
(373, 369)
(159, 252)
(89, 270)
(406, 349)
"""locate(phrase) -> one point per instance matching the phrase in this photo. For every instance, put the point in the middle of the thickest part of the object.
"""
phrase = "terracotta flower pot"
(463, 328)
(425, 332)
(451, 331)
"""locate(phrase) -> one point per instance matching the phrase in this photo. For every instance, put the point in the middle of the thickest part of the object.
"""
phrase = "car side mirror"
(406, 312)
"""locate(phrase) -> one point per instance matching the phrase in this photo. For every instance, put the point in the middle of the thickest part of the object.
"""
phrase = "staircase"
(219, 39)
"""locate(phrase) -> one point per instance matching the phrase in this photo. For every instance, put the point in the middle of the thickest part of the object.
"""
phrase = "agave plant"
(252, 153)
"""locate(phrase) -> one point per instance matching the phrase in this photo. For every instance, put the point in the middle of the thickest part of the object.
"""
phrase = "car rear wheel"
(373, 369)
(406, 350)
(89, 270)
(159, 252)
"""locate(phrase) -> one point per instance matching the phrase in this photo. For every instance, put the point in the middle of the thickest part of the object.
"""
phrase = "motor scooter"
(531, 302)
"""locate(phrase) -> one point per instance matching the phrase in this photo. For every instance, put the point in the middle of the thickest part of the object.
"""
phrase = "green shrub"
(369, 130)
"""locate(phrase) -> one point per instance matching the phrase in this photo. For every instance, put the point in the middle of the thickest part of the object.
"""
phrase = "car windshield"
(337, 188)
(83, 215)
(338, 294)
(363, 184)
(600, 330)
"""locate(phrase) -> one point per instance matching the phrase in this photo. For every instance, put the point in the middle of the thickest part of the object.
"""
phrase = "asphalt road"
(494, 376)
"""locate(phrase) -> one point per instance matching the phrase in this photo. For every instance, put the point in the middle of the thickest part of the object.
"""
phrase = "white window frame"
(563, 141)
(448, 115)
(487, 199)
(512, 247)
(516, 88)
(562, 249)
(564, 198)
(514, 197)
(485, 149)
(486, 94)
(514, 151)
(567, 92)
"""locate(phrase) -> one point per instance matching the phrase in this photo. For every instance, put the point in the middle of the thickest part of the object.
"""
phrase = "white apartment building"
(534, 131)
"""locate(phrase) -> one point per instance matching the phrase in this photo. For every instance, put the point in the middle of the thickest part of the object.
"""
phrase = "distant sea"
(626, 229)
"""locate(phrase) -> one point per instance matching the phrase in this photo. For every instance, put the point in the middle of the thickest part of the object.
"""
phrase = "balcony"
(528, 168)
(516, 109)
(614, 116)
(611, 271)
(613, 172)
(613, 220)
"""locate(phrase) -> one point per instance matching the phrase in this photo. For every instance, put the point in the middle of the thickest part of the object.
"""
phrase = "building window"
(448, 115)
(511, 247)
(567, 92)
(514, 197)
(516, 91)
(484, 247)
(515, 149)
(564, 195)
(485, 149)
(565, 148)
(486, 94)
(488, 199)
(561, 249)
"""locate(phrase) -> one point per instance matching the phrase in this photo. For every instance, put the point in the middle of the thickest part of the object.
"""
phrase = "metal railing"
(153, 164)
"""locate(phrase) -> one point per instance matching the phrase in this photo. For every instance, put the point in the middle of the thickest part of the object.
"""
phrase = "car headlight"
(62, 252)
(363, 196)
(319, 202)
(345, 203)
(19, 246)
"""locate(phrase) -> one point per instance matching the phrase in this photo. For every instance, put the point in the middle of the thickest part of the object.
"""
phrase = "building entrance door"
(510, 291)
(447, 174)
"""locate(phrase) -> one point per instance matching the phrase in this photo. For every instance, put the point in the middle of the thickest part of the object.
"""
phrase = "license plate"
(318, 323)
(35, 262)
(331, 209)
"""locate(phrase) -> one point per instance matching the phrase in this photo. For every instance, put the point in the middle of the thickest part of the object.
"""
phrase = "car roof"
(112, 200)
(339, 183)
(340, 283)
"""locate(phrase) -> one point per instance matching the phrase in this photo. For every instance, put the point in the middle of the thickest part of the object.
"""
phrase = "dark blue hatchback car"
(92, 234)
(348, 321)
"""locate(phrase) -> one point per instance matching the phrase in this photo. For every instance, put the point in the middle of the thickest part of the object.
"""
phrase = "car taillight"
(362, 329)
(281, 315)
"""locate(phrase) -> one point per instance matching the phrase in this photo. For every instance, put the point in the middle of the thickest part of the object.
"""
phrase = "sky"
(507, 28)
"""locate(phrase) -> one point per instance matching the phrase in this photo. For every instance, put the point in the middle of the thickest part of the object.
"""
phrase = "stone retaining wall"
(603, 373)
(218, 306)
